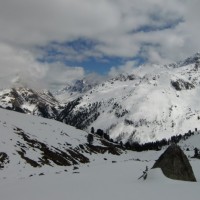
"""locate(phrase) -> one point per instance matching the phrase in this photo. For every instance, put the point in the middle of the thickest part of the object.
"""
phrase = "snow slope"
(101, 176)
(149, 104)
(31, 145)
(103, 181)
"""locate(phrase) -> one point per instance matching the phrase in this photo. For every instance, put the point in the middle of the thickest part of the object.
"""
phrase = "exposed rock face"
(4, 159)
(26, 100)
(175, 164)
(182, 85)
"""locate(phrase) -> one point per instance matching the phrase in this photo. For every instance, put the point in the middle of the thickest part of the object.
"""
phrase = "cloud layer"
(19, 67)
(156, 30)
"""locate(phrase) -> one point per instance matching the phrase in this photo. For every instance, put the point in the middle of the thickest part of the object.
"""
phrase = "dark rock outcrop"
(182, 85)
(29, 101)
(175, 164)
(4, 159)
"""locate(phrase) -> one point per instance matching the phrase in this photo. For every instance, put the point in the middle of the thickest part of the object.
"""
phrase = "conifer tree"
(90, 139)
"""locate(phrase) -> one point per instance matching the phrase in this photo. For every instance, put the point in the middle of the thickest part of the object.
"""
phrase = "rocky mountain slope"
(26, 100)
(31, 145)
(148, 104)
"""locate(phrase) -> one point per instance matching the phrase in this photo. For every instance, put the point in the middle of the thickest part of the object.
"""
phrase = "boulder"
(175, 164)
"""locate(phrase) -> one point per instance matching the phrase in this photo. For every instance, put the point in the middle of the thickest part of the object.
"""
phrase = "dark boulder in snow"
(175, 164)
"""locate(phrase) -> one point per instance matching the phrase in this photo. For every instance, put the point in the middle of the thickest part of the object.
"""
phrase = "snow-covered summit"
(190, 60)
(73, 91)
(151, 103)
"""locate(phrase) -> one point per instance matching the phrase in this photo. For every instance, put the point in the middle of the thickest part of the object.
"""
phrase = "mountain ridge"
(29, 101)
(150, 103)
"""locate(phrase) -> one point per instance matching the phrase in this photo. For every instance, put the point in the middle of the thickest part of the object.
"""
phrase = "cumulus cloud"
(59, 75)
(40, 21)
(19, 67)
(158, 31)
(127, 67)
(16, 63)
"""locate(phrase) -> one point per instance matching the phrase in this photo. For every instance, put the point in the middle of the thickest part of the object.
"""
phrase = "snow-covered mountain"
(31, 145)
(73, 91)
(45, 159)
(26, 100)
(150, 103)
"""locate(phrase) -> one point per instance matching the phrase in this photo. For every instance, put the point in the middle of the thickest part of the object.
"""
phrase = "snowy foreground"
(105, 176)
(103, 180)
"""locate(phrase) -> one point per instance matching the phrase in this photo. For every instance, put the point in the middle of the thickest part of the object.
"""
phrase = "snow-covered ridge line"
(148, 104)
(26, 100)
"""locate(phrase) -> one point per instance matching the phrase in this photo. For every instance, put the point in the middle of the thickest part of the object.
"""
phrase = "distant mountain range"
(150, 103)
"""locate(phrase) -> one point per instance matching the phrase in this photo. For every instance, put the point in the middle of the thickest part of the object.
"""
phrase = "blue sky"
(84, 52)
(74, 38)
(101, 64)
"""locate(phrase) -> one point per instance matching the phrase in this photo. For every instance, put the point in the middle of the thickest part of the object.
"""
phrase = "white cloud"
(15, 62)
(18, 66)
(40, 21)
(127, 67)
(58, 75)
(117, 25)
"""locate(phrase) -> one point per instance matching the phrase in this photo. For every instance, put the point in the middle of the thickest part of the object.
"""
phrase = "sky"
(48, 43)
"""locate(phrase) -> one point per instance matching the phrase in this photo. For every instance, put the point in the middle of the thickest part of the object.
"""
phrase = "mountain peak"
(190, 60)
(151, 103)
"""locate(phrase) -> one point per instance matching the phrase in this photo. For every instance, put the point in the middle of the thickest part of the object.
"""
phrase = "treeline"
(82, 118)
(157, 145)
(101, 133)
